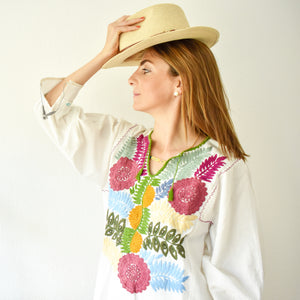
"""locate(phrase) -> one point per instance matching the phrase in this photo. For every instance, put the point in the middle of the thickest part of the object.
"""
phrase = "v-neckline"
(166, 162)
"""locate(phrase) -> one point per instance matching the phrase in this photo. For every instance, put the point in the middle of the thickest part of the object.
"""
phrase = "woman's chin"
(138, 107)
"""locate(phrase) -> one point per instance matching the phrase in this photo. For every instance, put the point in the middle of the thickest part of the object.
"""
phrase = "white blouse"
(187, 232)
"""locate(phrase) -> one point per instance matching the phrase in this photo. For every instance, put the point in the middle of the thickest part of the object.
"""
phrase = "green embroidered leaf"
(144, 221)
(181, 250)
(163, 231)
(176, 238)
(118, 241)
(155, 182)
(144, 244)
(156, 228)
(115, 235)
(109, 231)
(173, 251)
(126, 239)
(121, 225)
(139, 190)
(114, 227)
(119, 236)
(171, 240)
(150, 228)
(116, 221)
(127, 149)
(170, 234)
(164, 248)
(149, 242)
(131, 190)
(110, 220)
(155, 243)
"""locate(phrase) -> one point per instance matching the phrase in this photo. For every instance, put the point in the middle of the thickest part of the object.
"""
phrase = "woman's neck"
(170, 137)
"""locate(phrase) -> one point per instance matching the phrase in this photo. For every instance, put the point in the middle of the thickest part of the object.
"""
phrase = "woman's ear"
(179, 85)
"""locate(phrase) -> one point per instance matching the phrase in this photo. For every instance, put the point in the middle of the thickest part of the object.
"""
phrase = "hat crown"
(159, 18)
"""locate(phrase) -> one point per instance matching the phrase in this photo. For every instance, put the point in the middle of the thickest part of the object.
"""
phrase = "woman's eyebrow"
(146, 60)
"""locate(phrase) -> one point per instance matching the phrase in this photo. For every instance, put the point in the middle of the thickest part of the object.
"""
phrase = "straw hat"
(163, 23)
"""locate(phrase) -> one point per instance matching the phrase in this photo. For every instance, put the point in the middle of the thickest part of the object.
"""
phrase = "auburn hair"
(204, 106)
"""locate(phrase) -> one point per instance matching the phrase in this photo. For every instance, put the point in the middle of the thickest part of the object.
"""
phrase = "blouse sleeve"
(232, 262)
(86, 139)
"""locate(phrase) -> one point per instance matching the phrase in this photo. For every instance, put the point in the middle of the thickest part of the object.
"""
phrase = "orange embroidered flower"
(136, 243)
(135, 216)
(148, 196)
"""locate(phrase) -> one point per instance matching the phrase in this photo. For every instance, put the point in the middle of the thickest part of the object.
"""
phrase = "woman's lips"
(135, 94)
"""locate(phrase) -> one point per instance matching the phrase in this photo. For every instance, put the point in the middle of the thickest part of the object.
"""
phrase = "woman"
(180, 221)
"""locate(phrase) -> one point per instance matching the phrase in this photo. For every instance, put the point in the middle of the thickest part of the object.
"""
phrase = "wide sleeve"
(232, 261)
(86, 139)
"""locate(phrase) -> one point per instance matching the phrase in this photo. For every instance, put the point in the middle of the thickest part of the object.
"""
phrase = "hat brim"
(207, 35)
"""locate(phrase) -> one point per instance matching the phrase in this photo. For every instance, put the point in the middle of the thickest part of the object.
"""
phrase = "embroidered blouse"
(187, 232)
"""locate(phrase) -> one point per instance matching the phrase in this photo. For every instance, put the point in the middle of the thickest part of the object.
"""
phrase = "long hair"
(204, 105)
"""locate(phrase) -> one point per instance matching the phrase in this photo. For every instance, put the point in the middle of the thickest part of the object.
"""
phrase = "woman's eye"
(145, 70)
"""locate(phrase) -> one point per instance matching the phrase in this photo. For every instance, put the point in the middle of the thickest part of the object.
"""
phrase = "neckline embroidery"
(166, 162)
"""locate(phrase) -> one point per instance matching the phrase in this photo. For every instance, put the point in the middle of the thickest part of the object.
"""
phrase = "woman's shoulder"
(130, 137)
(215, 157)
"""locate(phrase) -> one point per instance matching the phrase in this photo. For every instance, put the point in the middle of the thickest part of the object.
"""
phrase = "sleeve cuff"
(65, 99)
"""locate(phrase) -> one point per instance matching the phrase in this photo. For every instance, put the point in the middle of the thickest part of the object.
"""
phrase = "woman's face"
(153, 86)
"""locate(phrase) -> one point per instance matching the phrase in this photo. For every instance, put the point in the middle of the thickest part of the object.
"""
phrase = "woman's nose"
(131, 79)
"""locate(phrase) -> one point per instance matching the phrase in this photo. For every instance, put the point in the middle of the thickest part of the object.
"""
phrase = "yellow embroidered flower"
(112, 252)
(148, 196)
(162, 211)
(135, 216)
(136, 243)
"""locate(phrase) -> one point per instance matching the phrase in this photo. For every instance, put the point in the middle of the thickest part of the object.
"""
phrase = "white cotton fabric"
(223, 252)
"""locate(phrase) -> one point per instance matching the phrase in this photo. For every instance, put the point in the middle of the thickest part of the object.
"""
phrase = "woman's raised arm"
(110, 49)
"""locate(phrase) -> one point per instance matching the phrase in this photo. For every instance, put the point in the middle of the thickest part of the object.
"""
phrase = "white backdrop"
(51, 218)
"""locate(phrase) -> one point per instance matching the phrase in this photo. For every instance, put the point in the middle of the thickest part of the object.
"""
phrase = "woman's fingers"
(134, 21)
(122, 29)
(123, 25)
(115, 29)
(123, 22)
(122, 18)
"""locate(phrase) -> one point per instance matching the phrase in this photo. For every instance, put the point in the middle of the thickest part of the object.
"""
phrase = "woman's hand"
(111, 47)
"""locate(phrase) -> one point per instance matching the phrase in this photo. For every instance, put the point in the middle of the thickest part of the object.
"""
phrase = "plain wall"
(51, 218)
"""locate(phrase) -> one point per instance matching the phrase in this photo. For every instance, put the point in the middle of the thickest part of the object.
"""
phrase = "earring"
(176, 94)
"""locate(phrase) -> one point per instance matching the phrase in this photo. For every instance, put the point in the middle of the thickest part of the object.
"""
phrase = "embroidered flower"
(134, 273)
(189, 194)
(112, 252)
(161, 211)
(135, 216)
(136, 243)
(148, 196)
(122, 174)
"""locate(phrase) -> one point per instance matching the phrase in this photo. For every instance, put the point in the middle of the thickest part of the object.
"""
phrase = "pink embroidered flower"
(134, 273)
(189, 194)
(122, 174)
